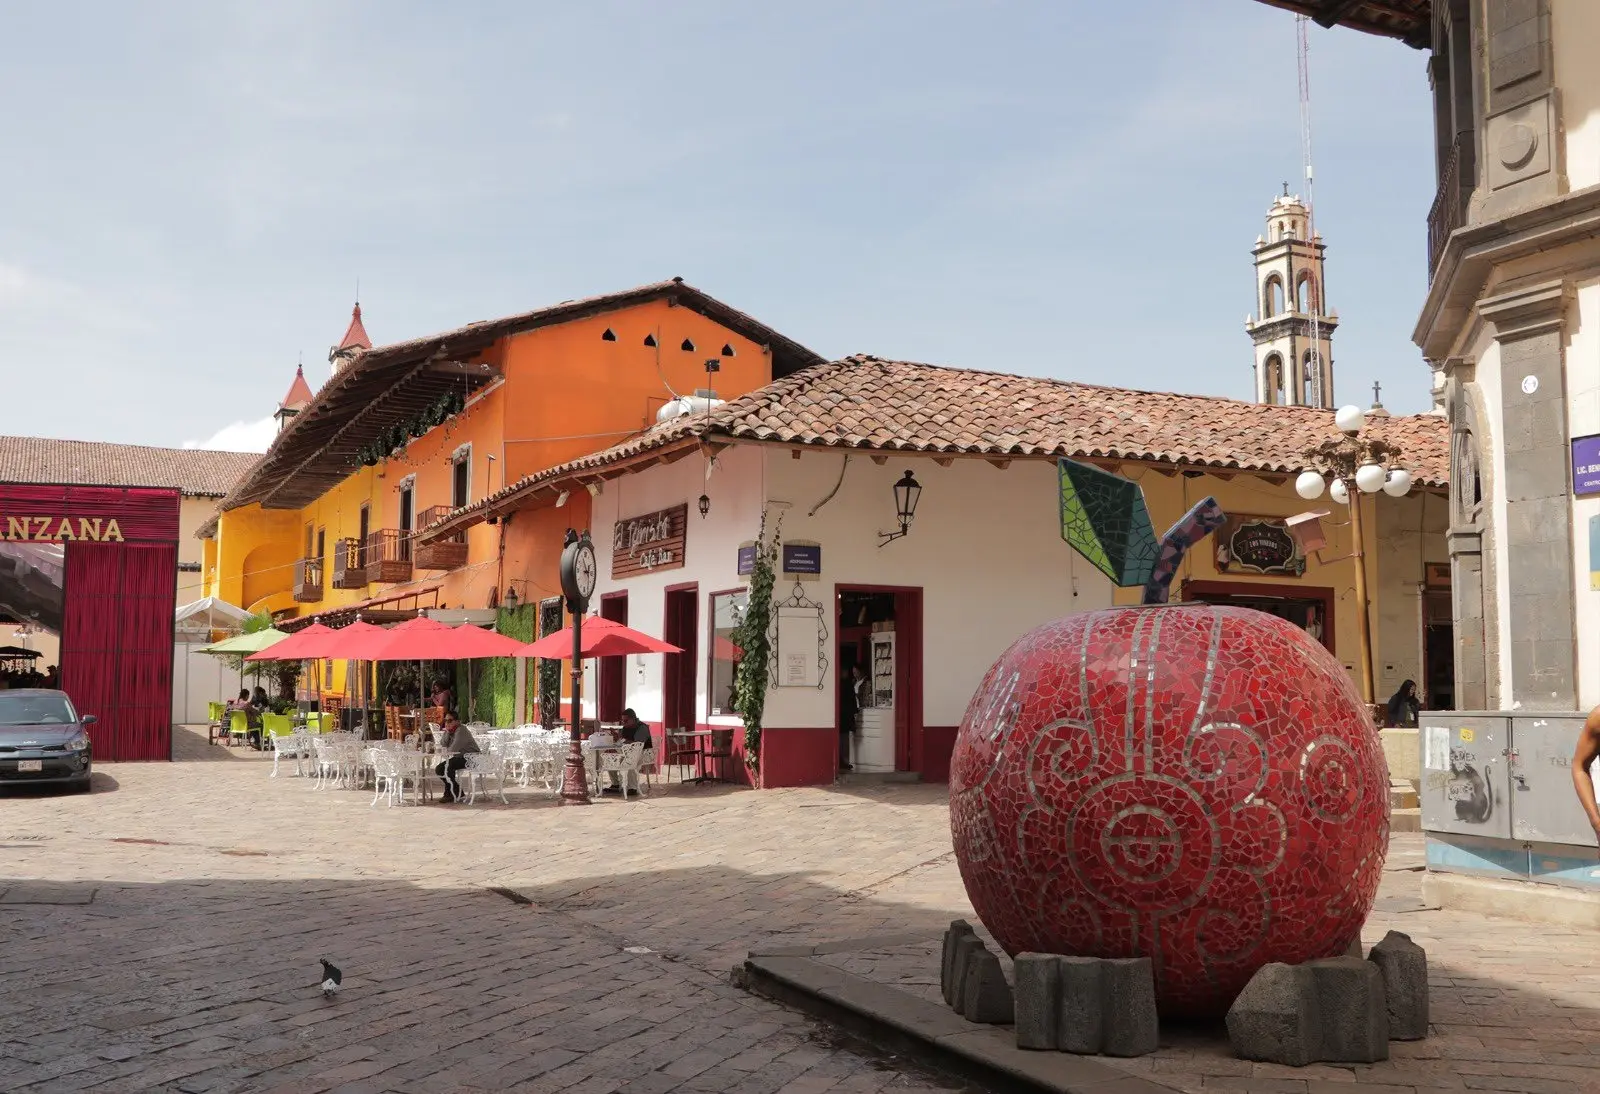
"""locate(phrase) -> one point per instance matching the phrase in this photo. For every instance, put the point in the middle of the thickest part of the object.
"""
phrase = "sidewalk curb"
(924, 1031)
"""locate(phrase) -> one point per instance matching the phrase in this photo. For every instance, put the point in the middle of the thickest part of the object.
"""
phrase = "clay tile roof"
(868, 403)
(299, 391)
(355, 335)
(196, 472)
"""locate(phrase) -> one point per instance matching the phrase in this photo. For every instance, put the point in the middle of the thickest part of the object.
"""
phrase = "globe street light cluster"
(1351, 459)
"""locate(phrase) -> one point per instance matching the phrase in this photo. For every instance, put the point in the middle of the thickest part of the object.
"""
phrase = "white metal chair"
(296, 744)
(386, 776)
(624, 763)
(481, 766)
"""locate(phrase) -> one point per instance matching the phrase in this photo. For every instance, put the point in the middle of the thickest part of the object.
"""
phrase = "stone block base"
(1086, 1005)
(1340, 1010)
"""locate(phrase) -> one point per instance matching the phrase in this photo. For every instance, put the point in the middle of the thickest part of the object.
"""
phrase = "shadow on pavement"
(212, 984)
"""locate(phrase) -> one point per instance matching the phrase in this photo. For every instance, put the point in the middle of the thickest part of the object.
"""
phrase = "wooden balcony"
(446, 553)
(388, 557)
(308, 580)
(349, 564)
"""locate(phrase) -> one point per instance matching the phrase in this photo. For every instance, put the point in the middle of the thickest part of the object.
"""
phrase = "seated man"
(633, 732)
(458, 742)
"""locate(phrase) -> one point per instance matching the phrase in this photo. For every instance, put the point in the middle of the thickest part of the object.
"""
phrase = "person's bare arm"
(1588, 748)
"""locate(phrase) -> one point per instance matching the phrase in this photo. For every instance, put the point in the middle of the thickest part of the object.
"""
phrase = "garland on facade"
(393, 440)
(753, 637)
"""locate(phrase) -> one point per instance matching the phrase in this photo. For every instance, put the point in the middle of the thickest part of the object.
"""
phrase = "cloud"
(240, 437)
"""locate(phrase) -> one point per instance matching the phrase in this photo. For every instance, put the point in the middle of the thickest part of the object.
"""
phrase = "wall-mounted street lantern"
(512, 601)
(907, 492)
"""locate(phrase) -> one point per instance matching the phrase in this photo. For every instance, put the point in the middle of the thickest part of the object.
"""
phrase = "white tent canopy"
(210, 613)
(197, 678)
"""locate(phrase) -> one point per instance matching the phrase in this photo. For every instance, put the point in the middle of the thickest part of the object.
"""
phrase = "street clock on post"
(578, 572)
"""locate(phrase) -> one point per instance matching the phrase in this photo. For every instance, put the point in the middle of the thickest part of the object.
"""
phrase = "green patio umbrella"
(241, 644)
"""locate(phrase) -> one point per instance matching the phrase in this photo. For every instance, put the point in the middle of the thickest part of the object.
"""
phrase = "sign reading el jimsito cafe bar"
(652, 541)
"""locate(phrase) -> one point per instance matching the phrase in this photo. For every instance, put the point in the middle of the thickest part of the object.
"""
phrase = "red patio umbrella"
(419, 639)
(360, 641)
(302, 645)
(601, 638)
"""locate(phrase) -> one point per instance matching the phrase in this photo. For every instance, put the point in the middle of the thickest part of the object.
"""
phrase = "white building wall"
(1574, 30)
(985, 548)
(711, 547)
(1583, 419)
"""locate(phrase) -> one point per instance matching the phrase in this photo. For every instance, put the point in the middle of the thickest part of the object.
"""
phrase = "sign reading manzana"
(56, 529)
(1258, 545)
(653, 541)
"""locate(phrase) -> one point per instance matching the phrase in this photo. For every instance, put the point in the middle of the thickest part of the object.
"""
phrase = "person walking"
(849, 712)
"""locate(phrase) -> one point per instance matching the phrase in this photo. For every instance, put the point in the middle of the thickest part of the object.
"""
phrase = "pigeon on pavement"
(331, 977)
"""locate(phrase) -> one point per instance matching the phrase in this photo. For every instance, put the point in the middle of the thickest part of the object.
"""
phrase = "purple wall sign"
(747, 560)
(1586, 465)
(802, 558)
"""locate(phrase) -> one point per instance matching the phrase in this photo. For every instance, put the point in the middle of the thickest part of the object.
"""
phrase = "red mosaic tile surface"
(1195, 783)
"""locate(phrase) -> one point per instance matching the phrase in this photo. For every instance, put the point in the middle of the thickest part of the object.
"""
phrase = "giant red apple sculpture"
(1193, 783)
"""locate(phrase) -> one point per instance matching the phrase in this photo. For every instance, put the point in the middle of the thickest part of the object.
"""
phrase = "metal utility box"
(1544, 807)
(1465, 778)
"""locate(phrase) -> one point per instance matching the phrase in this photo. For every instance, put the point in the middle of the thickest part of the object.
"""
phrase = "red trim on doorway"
(1320, 593)
(908, 744)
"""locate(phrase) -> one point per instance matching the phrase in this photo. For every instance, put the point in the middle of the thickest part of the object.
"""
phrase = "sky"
(194, 190)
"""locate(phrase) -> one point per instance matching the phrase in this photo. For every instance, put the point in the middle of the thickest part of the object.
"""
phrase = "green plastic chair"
(314, 722)
(238, 725)
(276, 725)
(216, 713)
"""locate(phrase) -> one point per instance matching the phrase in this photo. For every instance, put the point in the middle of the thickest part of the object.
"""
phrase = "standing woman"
(1404, 706)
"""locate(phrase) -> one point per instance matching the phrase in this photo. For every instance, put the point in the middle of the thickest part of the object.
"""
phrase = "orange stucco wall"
(567, 391)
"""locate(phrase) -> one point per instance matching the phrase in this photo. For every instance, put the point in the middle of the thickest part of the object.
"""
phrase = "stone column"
(1466, 591)
(1537, 537)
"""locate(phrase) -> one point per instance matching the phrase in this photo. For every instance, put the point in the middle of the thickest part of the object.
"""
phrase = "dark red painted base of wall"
(809, 757)
(798, 757)
(937, 744)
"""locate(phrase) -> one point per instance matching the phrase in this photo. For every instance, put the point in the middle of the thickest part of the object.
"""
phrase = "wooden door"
(679, 669)
(613, 697)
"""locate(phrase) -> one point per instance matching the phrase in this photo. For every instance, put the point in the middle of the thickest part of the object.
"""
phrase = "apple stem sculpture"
(1105, 519)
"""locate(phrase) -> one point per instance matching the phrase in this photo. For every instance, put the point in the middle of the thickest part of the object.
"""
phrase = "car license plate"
(30, 765)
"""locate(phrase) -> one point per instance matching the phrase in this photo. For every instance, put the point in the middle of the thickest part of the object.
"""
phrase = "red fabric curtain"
(116, 645)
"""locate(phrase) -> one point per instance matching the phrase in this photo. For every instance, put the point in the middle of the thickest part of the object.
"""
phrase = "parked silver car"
(43, 740)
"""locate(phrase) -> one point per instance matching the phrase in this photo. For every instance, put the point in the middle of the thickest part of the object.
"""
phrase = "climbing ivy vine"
(753, 636)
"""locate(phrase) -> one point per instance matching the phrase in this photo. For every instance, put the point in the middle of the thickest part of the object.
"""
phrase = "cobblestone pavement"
(212, 889)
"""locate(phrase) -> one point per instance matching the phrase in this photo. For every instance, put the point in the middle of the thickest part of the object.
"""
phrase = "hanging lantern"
(704, 505)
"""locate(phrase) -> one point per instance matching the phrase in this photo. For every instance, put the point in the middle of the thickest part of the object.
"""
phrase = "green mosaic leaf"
(1104, 518)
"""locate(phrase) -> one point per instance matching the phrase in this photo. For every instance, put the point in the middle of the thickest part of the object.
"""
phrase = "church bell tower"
(1293, 333)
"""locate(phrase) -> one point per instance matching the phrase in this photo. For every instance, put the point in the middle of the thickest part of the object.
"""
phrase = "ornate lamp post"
(578, 574)
(1355, 465)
